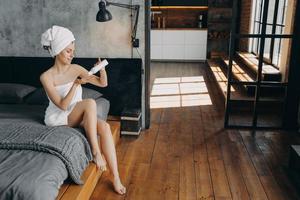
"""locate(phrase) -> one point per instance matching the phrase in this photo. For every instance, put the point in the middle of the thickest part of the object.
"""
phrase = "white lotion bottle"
(98, 67)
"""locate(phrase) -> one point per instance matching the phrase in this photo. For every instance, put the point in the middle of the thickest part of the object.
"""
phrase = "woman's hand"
(77, 81)
(99, 61)
(81, 81)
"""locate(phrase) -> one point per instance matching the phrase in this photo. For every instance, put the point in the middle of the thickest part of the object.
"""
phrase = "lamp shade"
(103, 14)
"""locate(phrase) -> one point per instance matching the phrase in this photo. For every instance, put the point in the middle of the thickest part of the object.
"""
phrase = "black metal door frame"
(290, 102)
(147, 63)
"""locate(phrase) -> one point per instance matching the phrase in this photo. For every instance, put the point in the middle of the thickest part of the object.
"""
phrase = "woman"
(62, 83)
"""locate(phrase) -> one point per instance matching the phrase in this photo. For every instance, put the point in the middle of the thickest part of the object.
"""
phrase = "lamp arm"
(131, 7)
(137, 7)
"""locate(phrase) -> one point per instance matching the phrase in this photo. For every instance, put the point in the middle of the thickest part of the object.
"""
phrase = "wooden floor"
(187, 155)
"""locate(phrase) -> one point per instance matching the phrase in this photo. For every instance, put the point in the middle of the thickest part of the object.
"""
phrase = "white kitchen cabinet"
(157, 52)
(173, 52)
(156, 44)
(156, 37)
(194, 52)
(195, 37)
(178, 44)
(171, 37)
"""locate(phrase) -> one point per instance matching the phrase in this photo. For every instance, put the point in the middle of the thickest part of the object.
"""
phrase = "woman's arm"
(100, 80)
(49, 87)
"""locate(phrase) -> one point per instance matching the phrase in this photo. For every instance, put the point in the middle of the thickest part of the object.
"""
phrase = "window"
(275, 25)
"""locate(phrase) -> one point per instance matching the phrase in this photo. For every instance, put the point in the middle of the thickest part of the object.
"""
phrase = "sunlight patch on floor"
(179, 92)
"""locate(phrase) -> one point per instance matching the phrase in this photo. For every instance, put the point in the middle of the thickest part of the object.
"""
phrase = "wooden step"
(240, 73)
(90, 176)
(269, 109)
(269, 72)
(220, 75)
(241, 100)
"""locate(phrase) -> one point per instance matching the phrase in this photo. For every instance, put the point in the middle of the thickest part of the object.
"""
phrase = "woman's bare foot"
(99, 161)
(118, 186)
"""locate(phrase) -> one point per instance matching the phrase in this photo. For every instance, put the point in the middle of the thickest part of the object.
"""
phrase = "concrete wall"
(23, 21)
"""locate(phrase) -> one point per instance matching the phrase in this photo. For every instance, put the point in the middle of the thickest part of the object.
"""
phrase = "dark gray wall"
(23, 21)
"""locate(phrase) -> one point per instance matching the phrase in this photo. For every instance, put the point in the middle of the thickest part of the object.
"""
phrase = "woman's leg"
(109, 151)
(85, 114)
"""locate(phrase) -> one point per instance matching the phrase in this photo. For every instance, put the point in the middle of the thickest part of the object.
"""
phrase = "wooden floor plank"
(251, 179)
(146, 144)
(202, 170)
(219, 178)
(269, 183)
(172, 184)
(146, 190)
(187, 184)
(236, 181)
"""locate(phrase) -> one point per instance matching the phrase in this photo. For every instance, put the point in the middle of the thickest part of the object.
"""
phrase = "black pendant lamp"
(103, 14)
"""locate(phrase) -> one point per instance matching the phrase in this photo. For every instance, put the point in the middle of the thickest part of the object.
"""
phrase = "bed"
(124, 91)
(36, 160)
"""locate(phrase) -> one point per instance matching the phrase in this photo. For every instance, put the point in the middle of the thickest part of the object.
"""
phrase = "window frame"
(256, 24)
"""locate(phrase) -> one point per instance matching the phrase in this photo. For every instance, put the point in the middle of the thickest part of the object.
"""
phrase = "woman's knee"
(90, 104)
(103, 125)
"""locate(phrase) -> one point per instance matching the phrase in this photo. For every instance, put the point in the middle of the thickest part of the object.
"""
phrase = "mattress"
(28, 174)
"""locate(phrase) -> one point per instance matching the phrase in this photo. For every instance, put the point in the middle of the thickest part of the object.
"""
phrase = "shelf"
(180, 7)
(219, 22)
(176, 29)
(219, 7)
(217, 39)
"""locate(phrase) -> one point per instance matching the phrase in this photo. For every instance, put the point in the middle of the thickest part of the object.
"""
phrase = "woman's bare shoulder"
(46, 76)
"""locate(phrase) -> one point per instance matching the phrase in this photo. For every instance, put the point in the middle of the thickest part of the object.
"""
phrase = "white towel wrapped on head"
(56, 39)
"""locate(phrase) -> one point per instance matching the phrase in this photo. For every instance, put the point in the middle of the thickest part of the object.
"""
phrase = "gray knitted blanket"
(66, 143)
